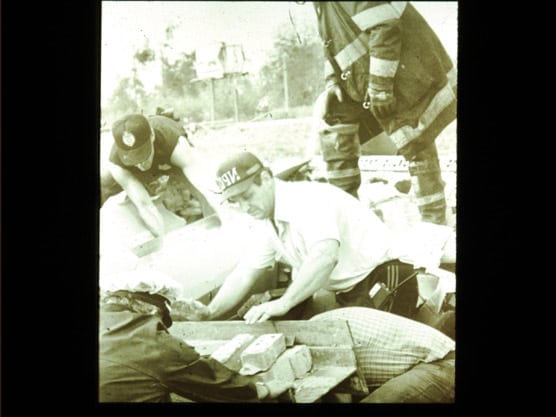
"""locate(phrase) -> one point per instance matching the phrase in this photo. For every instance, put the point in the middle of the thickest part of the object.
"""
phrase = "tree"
(178, 70)
(303, 60)
(128, 97)
(304, 64)
(144, 56)
(177, 76)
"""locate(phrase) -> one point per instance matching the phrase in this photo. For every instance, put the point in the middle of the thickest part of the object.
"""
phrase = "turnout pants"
(341, 150)
(427, 185)
(350, 126)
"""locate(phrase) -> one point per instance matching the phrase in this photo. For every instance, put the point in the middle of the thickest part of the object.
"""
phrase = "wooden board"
(320, 381)
(198, 255)
(321, 333)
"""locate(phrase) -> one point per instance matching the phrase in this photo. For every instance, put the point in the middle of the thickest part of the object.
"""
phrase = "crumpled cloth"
(423, 244)
(142, 280)
(427, 245)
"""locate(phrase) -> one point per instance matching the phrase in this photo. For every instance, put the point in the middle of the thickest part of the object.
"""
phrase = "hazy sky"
(127, 25)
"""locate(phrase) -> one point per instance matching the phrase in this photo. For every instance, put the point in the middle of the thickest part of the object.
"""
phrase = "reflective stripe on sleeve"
(383, 67)
(352, 52)
(373, 16)
(399, 6)
(328, 70)
(452, 77)
(441, 100)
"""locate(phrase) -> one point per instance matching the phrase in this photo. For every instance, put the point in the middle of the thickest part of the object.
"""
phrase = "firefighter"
(385, 71)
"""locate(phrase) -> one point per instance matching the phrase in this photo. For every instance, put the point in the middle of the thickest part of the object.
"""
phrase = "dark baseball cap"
(236, 174)
(132, 135)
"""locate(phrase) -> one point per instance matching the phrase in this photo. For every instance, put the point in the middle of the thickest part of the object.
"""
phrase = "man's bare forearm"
(313, 274)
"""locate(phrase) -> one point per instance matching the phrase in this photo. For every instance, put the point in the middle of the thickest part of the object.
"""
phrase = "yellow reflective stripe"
(399, 6)
(375, 137)
(452, 77)
(383, 67)
(441, 100)
(328, 70)
(379, 14)
(352, 52)
(422, 201)
(342, 173)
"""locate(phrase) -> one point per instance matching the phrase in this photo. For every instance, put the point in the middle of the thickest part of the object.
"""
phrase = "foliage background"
(297, 48)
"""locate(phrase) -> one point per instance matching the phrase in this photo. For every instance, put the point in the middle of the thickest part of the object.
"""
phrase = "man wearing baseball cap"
(140, 361)
(331, 240)
(148, 155)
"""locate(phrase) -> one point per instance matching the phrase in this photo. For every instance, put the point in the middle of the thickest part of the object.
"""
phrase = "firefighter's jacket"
(385, 43)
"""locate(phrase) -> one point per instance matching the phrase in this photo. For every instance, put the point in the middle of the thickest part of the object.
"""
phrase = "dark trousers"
(391, 273)
(404, 300)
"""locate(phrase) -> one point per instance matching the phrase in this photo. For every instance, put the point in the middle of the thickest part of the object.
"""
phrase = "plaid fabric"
(387, 345)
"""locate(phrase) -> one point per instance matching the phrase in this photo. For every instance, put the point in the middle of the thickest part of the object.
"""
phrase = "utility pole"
(212, 101)
(236, 107)
(285, 76)
(216, 61)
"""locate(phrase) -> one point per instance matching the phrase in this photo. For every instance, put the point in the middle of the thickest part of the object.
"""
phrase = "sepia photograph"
(278, 202)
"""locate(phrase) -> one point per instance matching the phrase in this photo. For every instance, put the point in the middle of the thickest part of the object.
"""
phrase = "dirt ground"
(281, 143)
(271, 140)
(279, 139)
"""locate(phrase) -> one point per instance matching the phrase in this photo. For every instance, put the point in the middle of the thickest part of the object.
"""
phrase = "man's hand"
(265, 311)
(382, 100)
(189, 310)
(323, 104)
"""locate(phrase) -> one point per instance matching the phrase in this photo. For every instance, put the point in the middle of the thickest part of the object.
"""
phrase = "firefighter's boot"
(341, 150)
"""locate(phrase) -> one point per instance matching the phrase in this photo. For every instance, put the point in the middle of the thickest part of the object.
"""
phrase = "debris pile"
(272, 359)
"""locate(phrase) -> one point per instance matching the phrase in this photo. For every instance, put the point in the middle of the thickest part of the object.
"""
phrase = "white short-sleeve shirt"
(309, 212)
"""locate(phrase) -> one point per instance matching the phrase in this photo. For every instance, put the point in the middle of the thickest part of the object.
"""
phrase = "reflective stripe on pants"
(340, 150)
(427, 185)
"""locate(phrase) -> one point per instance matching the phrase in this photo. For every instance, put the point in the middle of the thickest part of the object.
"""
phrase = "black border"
(50, 114)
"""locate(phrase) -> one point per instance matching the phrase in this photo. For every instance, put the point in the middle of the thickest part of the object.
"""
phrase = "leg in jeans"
(424, 383)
